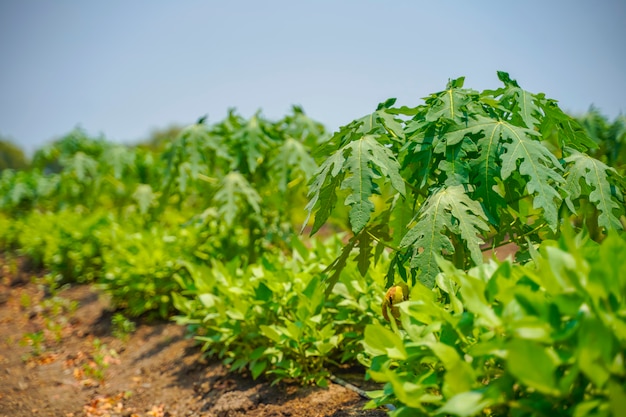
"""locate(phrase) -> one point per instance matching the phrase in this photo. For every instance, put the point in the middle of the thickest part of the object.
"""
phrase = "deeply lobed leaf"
(356, 167)
(447, 210)
(234, 196)
(595, 175)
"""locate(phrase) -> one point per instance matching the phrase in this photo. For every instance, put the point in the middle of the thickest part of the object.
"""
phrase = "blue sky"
(123, 68)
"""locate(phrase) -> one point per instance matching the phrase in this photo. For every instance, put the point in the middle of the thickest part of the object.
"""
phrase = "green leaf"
(532, 365)
(593, 353)
(359, 164)
(505, 148)
(323, 190)
(450, 104)
(235, 193)
(365, 251)
(617, 398)
(446, 210)
(272, 333)
(82, 166)
(487, 166)
(257, 368)
(381, 123)
(473, 293)
(459, 375)
(365, 159)
(456, 165)
(119, 158)
(250, 143)
(522, 103)
(466, 404)
(379, 340)
(339, 264)
(540, 167)
(293, 158)
(144, 196)
(392, 125)
(567, 130)
(590, 408)
(189, 155)
(409, 393)
(595, 175)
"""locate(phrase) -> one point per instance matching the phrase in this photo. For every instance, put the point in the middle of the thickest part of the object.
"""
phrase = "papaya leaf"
(566, 129)
(595, 174)
(360, 163)
(144, 196)
(447, 210)
(537, 164)
(522, 104)
(302, 128)
(250, 143)
(486, 166)
(335, 268)
(188, 155)
(393, 126)
(82, 166)
(234, 194)
(293, 159)
(119, 158)
(418, 157)
(364, 243)
(505, 148)
(451, 103)
(456, 165)
(323, 190)
(366, 161)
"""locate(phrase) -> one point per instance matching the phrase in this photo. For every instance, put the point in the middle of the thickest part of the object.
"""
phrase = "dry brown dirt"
(82, 370)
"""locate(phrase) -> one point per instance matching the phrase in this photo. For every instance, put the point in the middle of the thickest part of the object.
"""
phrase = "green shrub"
(69, 243)
(140, 269)
(548, 338)
(274, 317)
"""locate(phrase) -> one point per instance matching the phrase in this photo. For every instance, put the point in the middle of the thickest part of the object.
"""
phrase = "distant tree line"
(609, 135)
(11, 156)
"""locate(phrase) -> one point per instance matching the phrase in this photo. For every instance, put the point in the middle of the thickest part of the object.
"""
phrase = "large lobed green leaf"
(447, 211)
(595, 175)
(234, 197)
(506, 148)
(537, 163)
(293, 158)
(357, 165)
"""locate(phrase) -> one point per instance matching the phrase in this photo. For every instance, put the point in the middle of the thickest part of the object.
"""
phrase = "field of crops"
(290, 253)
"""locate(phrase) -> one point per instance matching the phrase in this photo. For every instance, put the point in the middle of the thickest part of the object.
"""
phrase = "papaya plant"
(609, 135)
(242, 174)
(464, 171)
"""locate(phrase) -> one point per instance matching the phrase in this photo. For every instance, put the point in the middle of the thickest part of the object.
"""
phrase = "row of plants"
(274, 317)
(209, 232)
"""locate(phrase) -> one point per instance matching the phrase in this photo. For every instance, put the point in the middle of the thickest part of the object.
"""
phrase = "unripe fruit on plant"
(395, 295)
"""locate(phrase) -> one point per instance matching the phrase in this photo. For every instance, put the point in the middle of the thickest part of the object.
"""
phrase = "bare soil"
(81, 369)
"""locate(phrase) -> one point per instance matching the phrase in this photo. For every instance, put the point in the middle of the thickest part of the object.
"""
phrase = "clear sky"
(122, 68)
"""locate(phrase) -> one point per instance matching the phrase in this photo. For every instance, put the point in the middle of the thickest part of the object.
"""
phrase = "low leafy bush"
(69, 243)
(548, 338)
(274, 317)
(140, 270)
(8, 237)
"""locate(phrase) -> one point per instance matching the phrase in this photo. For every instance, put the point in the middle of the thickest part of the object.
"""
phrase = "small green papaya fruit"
(395, 295)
